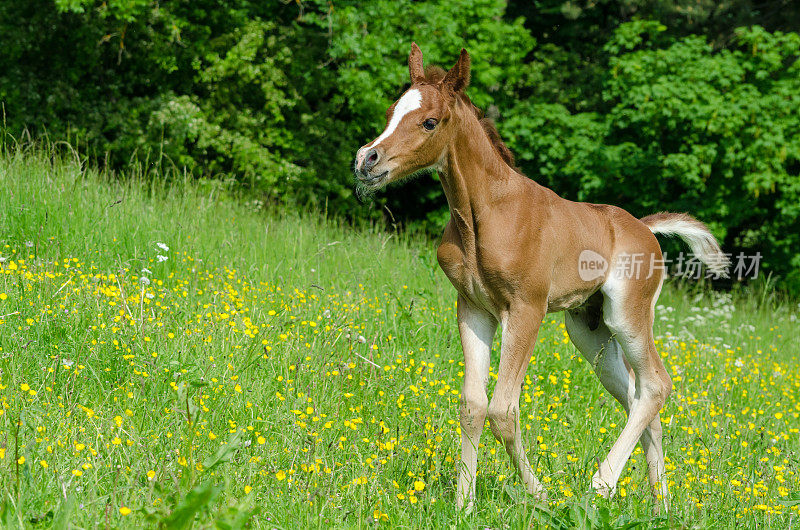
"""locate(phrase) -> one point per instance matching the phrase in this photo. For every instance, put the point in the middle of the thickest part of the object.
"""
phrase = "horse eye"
(429, 124)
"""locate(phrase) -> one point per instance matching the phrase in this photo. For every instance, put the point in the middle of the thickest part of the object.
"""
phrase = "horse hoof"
(467, 508)
(601, 487)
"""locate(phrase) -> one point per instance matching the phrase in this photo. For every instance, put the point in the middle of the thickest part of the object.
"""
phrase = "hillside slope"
(168, 352)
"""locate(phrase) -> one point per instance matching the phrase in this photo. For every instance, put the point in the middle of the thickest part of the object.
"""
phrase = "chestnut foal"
(515, 251)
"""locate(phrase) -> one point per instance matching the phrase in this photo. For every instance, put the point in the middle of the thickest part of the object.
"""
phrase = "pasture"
(171, 354)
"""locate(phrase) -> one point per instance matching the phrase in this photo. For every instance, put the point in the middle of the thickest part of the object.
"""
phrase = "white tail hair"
(696, 234)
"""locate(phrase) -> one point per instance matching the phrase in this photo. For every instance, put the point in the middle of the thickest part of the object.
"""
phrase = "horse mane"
(434, 75)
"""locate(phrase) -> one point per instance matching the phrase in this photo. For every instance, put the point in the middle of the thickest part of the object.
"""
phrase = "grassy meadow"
(170, 355)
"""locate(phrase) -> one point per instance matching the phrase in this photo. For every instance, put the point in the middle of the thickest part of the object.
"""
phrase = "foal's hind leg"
(593, 339)
(628, 315)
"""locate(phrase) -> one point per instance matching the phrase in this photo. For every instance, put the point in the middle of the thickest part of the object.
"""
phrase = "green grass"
(293, 371)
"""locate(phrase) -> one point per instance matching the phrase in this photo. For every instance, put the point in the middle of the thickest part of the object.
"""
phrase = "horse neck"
(471, 173)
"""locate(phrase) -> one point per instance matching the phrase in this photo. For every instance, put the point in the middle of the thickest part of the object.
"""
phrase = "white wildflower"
(163, 247)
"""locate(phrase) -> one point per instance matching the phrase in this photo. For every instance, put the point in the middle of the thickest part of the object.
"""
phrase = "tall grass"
(281, 368)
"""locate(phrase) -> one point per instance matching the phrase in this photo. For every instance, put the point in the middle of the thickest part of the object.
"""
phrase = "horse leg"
(520, 329)
(477, 329)
(591, 336)
(628, 315)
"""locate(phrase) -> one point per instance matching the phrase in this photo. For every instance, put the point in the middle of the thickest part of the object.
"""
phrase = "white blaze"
(411, 100)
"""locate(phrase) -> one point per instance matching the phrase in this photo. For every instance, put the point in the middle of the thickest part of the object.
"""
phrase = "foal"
(515, 251)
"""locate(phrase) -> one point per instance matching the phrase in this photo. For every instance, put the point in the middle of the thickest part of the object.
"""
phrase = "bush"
(278, 96)
(685, 128)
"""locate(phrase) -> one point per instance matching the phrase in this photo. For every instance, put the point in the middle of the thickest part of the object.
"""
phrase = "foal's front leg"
(477, 329)
(520, 329)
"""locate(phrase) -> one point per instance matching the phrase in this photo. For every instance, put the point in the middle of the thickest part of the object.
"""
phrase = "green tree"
(648, 105)
(686, 129)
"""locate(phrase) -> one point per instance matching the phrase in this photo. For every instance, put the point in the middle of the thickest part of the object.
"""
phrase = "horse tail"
(696, 234)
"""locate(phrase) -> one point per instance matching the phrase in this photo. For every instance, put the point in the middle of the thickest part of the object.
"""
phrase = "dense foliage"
(669, 105)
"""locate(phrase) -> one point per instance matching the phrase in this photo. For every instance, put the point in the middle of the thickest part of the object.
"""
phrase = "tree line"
(682, 105)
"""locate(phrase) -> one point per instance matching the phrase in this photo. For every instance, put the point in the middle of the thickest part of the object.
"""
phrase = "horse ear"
(415, 64)
(457, 78)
